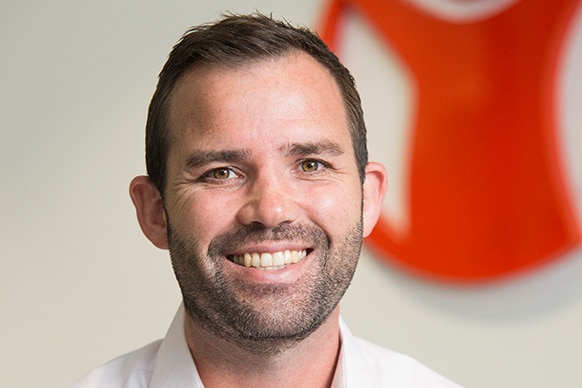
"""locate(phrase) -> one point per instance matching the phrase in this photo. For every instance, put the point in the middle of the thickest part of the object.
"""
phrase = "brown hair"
(233, 41)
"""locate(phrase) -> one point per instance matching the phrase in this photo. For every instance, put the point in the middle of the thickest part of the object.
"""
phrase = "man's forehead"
(317, 127)
(201, 78)
(202, 105)
(239, 65)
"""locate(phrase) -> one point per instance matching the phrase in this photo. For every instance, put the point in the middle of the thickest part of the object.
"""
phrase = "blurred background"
(79, 284)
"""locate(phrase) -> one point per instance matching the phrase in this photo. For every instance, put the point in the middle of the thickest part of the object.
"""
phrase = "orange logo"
(486, 195)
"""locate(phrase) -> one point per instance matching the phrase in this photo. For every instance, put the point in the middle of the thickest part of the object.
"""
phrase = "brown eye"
(310, 165)
(221, 173)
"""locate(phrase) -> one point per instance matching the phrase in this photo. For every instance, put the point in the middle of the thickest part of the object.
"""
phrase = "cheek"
(335, 209)
(200, 215)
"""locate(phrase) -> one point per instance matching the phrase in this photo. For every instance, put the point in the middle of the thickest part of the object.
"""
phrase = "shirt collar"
(174, 366)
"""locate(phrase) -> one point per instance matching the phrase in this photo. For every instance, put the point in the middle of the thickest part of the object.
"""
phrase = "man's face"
(263, 198)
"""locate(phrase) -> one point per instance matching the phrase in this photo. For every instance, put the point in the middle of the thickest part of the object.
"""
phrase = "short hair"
(231, 42)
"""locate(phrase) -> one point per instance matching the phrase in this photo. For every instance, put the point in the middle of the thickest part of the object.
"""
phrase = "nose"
(270, 201)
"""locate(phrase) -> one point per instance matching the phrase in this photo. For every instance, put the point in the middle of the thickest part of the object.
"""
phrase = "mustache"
(256, 233)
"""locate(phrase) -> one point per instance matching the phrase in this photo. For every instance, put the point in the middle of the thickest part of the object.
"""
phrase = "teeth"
(278, 259)
(266, 260)
(275, 260)
(256, 260)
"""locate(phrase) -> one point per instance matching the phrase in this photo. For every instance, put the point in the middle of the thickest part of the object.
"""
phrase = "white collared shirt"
(167, 363)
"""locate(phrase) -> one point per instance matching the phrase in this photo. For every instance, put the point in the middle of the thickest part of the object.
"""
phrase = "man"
(259, 185)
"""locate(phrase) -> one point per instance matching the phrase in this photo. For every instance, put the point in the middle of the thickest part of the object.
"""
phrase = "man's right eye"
(221, 173)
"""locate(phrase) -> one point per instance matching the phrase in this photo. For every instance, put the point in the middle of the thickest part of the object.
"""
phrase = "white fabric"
(167, 363)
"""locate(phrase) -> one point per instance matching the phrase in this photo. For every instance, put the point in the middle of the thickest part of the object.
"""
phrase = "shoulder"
(373, 365)
(131, 370)
(398, 369)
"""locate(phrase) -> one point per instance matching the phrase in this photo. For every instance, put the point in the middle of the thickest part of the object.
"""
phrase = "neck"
(310, 362)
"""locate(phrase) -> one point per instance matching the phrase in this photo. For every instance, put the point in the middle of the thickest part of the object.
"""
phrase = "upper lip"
(278, 246)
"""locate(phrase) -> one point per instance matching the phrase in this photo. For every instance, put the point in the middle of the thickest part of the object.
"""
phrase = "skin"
(261, 161)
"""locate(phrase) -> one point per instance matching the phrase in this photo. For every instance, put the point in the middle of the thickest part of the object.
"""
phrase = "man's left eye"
(311, 166)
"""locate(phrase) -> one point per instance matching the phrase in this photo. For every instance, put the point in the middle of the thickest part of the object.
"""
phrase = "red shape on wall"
(487, 192)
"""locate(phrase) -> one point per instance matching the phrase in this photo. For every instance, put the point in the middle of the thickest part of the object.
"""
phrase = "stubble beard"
(263, 319)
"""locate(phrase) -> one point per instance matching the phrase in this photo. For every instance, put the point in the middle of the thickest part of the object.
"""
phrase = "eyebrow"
(201, 158)
(318, 148)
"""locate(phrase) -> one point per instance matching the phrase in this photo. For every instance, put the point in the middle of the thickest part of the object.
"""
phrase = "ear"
(150, 210)
(374, 190)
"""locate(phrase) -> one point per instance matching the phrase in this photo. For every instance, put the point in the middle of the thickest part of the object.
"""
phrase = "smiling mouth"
(269, 261)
